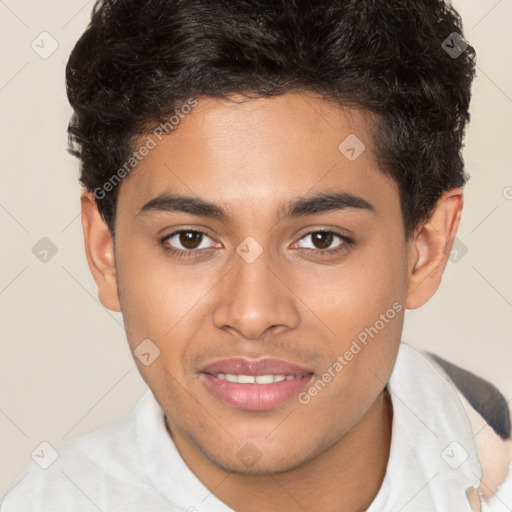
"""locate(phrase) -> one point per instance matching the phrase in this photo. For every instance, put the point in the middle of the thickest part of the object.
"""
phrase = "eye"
(185, 241)
(323, 239)
(191, 242)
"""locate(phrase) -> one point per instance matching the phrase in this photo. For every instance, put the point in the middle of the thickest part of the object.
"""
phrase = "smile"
(255, 379)
(255, 392)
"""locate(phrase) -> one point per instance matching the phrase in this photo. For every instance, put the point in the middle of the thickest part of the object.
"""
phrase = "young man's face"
(253, 286)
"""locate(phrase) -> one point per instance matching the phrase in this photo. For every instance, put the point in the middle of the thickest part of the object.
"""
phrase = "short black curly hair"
(406, 61)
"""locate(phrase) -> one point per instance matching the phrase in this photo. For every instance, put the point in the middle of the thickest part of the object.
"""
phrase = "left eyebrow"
(322, 203)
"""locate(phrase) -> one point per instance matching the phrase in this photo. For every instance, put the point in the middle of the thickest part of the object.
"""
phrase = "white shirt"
(133, 464)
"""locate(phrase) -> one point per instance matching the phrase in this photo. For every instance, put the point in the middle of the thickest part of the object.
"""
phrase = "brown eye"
(186, 240)
(190, 239)
(323, 240)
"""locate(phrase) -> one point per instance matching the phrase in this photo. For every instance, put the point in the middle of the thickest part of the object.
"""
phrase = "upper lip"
(244, 366)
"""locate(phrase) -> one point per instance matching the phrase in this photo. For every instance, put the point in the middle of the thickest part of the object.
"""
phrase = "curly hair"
(139, 61)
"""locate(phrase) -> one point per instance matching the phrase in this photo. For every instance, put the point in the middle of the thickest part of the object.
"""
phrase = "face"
(265, 272)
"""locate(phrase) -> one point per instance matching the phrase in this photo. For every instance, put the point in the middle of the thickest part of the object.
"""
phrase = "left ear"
(430, 248)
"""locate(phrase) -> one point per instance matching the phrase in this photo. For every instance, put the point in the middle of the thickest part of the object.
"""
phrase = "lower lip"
(255, 397)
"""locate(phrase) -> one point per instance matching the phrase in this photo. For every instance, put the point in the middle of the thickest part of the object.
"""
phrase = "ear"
(99, 248)
(430, 248)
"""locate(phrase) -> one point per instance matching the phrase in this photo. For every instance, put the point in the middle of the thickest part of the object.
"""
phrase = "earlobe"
(430, 248)
(99, 248)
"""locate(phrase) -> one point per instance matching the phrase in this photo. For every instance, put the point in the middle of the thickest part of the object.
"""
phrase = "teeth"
(268, 379)
(246, 379)
(251, 379)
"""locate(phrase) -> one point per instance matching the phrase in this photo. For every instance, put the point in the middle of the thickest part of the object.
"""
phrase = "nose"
(255, 296)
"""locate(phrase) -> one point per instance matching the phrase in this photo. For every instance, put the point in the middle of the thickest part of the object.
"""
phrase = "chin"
(250, 461)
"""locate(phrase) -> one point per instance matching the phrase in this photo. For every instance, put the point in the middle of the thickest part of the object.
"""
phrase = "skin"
(250, 158)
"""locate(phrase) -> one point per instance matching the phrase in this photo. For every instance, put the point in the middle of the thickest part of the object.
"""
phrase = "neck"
(347, 476)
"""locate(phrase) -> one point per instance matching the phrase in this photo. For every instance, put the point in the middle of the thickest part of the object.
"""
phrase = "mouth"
(255, 379)
(255, 385)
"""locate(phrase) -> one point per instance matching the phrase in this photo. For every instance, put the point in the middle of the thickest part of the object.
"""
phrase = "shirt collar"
(433, 457)
(164, 465)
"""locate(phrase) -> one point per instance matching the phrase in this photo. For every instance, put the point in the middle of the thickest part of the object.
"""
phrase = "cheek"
(155, 308)
(154, 296)
(363, 305)
(165, 303)
(377, 309)
(353, 296)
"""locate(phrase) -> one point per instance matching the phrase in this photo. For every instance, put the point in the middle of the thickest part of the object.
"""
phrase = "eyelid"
(346, 242)
(165, 239)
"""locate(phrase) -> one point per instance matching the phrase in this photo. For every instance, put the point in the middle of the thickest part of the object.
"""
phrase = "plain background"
(65, 367)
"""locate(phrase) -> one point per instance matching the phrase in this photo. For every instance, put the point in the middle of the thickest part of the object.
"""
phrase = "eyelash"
(348, 243)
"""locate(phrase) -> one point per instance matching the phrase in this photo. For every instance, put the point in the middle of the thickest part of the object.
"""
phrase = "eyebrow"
(321, 203)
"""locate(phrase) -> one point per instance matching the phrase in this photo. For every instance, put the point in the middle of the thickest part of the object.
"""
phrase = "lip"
(265, 366)
(255, 397)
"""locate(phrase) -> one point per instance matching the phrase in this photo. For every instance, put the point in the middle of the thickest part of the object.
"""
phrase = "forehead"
(247, 153)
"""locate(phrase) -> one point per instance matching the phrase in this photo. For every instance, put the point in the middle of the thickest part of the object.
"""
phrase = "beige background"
(65, 368)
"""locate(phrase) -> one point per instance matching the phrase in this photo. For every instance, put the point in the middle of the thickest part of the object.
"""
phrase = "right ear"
(99, 249)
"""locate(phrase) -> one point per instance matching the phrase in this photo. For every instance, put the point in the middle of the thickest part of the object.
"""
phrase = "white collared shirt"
(133, 464)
